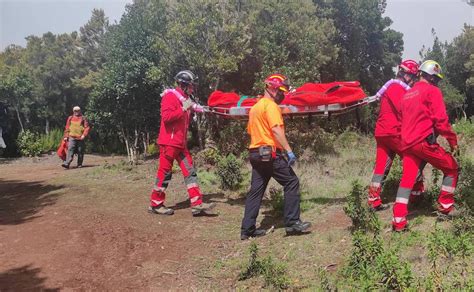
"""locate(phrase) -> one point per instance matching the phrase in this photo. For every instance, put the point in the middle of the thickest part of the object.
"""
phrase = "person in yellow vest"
(75, 132)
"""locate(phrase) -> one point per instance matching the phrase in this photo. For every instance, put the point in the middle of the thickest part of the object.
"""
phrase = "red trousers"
(387, 147)
(412, 158)
(163, 176)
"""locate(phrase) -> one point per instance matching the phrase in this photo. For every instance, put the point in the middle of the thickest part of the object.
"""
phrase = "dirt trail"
(60, 236)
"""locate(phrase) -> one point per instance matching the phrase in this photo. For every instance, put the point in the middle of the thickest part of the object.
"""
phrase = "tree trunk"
(19, 119)
(46, 127)
(125, 138)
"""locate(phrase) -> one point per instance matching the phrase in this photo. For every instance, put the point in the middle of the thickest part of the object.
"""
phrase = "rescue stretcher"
(242, 112)
(311, 99)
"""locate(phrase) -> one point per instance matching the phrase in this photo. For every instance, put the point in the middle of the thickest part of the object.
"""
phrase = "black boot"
(299, 227)
(257, 233)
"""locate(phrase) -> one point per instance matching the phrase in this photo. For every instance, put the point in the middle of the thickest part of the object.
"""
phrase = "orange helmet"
(278, 81)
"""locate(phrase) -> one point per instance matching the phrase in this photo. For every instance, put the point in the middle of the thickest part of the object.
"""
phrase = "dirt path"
(59, 234)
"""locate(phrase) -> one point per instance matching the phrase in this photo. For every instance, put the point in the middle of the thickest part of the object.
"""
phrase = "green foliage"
(465, 186)
(277, 200)
(229, 172)
(29, 144)
(363, 219)
(49, 142)
(465, 128)
(208, 156)
(152, 150)
(274, 273)
(392, 181)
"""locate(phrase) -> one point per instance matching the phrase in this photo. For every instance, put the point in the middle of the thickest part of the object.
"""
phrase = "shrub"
(464, 127)
(358, 210)
(152, 150)
(209, 156)
(276, 200)
(51, 141)
(229, 172)
(274, 273)
(29, 144)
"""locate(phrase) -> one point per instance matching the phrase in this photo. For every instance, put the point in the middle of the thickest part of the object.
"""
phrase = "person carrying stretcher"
(423, 118)
(267, 157)
(387, 133)
(176, 108)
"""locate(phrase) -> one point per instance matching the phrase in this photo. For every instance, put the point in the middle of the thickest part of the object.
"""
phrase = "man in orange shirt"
(75, 132)
(268, 141)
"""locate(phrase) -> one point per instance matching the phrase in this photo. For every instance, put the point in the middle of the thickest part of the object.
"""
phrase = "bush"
(229, 172)
(358, 210)
(51, 141)
(209, 156)
(274, 273)
(29, 144)
(464, 127)
(152, 150)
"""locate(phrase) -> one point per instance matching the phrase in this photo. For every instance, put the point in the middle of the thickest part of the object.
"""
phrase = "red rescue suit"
(423, 118)
(387, 136)
(172, 141)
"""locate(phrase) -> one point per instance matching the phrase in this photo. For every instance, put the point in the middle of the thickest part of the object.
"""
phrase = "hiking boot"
(79, 166)
(257, 233)
(65, 166)
(202, 208)
(299, 227)
(380, 207)
(160, 210)
(453, 213)
(403, 229)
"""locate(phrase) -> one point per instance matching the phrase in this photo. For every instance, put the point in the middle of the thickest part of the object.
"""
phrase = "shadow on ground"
(25, 278)
(20, 201)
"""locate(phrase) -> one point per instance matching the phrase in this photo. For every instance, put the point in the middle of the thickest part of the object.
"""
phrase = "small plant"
(29, 144)
(357, 209)
(464, 127)
(152, 150)
(274, 273)
(276, 200)
(210, 156)
(229, 172)
(50, 141)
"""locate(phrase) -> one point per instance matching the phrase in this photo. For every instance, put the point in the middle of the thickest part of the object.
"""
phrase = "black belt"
(255, 150)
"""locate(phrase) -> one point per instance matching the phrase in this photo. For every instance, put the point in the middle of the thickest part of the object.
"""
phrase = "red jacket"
(388, 123)
(423, 113)
(174, 121)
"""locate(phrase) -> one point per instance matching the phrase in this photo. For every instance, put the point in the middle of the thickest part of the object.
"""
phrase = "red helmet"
(409, 66)
(278, 81)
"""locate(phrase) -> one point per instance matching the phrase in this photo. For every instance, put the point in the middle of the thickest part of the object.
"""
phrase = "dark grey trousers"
(75, 147)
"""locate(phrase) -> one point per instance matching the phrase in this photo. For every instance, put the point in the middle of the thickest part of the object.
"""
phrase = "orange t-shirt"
(263, 116)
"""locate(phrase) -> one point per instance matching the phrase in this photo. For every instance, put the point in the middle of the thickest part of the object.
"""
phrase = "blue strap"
(242, 98)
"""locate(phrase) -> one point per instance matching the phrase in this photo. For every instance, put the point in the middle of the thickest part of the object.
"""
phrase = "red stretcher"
(315, 99)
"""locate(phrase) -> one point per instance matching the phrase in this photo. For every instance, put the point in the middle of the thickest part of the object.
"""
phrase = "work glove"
(65, 139)
(82, 137)
(291, 158)
(187, 104)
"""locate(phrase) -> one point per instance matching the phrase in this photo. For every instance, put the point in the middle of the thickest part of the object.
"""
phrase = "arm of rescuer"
(279, 134)
(171, 108)
(441, 120)
(66, 128)
(87, 128)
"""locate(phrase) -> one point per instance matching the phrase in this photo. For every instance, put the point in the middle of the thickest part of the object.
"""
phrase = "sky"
(414, 18)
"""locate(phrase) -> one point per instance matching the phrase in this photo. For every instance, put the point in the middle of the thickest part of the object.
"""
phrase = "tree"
(126, 98)
(369, 49)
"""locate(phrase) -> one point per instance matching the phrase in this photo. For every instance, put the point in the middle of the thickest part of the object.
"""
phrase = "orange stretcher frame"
(291, 110)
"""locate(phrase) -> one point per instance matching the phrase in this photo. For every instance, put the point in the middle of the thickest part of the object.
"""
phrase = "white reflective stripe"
(399, 219)
(415, 193)
(375, 184)
(194, 199)
(448, 189)
(372, 199)
(446, 206)
(157, 202)
(192, 185)
(402, 201)
(160, 189)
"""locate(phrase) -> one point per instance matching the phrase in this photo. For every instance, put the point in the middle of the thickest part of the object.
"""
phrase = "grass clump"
(274, 273)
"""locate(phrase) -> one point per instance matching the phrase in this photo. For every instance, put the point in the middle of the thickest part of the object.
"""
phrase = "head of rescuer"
(408, 71)
(268, 145)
